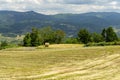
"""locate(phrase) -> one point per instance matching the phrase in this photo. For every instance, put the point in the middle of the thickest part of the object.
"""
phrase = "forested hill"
(12, 22)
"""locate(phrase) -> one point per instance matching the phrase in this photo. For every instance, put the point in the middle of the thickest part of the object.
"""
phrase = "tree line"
(44, 35)
(40, 36)
(107, 35)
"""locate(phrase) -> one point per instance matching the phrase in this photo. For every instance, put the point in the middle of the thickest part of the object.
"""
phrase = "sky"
(61, 6)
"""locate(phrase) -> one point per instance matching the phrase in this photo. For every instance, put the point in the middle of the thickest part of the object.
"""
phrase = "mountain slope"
(12, 22)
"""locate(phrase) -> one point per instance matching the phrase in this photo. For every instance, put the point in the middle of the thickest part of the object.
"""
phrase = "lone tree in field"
(84, 36)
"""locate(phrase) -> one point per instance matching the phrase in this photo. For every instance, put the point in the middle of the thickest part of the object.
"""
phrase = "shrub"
(3, 45)
(103, 44)
(71, 41)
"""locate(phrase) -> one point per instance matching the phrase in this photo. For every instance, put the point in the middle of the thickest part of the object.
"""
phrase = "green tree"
(40, 36)
(84, 36)
(59, 35)
(111, 35)
(27, 40)
(52, 36)
(35, 38)
(104, 34)
(97, 37)
(47, 34)
(3, 44)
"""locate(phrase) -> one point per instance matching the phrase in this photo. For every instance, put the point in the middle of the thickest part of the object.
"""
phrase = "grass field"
(60, 62)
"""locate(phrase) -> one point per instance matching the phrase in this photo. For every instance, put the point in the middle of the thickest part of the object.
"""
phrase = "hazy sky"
(61, 6)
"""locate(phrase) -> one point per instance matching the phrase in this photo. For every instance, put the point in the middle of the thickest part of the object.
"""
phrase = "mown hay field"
(60, 62)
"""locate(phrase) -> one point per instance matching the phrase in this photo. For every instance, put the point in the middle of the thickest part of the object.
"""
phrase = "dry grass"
(61, 62)
(62, 46)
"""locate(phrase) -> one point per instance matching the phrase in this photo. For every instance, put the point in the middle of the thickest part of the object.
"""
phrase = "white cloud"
(113, 3)
(60, 6)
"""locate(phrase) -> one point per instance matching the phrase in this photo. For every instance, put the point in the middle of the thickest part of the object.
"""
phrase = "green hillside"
(14, 23)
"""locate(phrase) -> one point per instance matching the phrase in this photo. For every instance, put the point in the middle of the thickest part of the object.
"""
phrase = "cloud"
(61, 6)
(80, 2)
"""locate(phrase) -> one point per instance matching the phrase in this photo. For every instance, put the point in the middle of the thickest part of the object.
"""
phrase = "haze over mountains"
(12, 22)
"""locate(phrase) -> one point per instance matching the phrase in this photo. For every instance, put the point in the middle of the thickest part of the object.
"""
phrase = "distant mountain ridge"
(12, 22)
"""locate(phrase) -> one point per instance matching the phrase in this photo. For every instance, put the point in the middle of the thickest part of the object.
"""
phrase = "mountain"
(12, 22)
